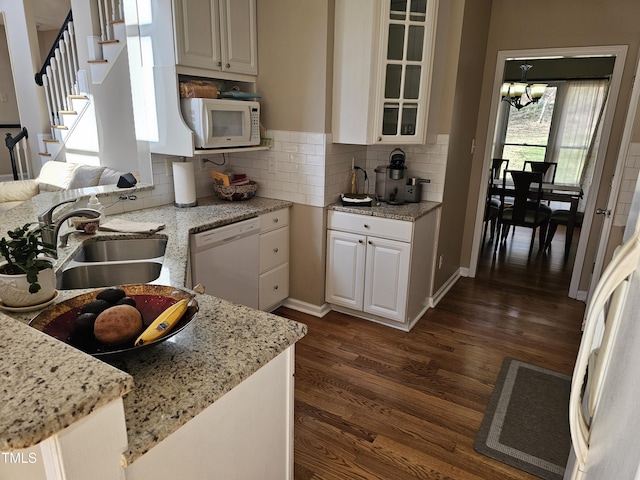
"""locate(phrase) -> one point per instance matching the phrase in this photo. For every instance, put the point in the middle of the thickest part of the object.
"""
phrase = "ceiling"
(51, 13)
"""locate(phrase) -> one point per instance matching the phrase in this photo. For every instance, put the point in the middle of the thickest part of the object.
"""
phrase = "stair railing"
(59, 73)
(109, 11)
(18, 153)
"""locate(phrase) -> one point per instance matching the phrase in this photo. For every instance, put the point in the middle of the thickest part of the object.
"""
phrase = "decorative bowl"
(151, 300)
(235, 192)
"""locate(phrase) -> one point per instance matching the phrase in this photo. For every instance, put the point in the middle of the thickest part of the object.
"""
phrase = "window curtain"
(582, 110)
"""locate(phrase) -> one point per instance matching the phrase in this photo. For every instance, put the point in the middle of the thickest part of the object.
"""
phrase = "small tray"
(356, 200)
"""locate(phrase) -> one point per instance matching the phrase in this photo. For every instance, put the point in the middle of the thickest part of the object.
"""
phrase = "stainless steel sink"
(116, 250)
(110, 262)
(94, 275)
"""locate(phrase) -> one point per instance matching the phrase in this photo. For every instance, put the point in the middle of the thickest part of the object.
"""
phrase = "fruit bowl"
(58, 320)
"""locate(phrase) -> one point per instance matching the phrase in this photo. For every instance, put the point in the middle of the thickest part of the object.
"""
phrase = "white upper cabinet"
(217, 35)
(383, 56)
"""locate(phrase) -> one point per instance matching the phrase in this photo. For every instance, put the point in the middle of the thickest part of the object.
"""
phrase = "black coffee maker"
(394, 187)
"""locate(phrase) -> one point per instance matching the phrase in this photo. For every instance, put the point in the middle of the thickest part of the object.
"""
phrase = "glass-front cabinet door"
(408, 29)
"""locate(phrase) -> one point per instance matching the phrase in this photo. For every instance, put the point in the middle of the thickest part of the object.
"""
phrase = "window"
(528, 129)
(559, 128)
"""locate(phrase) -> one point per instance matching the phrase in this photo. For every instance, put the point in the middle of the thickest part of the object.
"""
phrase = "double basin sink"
(109, 262)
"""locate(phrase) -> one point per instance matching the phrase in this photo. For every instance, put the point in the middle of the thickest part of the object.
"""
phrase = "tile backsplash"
(307, 168)
(628, 185)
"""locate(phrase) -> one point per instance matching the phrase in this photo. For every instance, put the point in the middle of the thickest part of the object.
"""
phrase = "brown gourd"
(118, 324)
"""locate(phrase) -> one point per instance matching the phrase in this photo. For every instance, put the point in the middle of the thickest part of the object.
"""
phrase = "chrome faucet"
(50, 229)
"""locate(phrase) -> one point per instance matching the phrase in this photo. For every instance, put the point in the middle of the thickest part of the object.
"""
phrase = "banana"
(165, 322)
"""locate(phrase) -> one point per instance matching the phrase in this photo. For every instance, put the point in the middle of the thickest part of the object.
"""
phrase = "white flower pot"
(14, 289)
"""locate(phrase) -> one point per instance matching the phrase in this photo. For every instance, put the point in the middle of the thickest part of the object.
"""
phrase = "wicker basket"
(235, 192)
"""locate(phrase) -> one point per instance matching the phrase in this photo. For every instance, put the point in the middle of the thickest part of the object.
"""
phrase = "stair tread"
(50, 140)
(107, 42)
(113, 22)
(68, 112)
(83, 97)
(60, 127)
(44, 154)
(97, 61)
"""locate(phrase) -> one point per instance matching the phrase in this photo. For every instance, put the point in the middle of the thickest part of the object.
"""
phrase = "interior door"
(607, 212)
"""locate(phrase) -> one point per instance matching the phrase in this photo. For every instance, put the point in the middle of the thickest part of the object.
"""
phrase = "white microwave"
(218, 123)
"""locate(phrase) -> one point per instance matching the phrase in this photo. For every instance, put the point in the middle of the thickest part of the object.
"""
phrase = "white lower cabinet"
(274, 259)
(379, 268)
(246, 434)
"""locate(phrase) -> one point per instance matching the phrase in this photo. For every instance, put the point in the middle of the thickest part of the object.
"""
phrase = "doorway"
(617, 52)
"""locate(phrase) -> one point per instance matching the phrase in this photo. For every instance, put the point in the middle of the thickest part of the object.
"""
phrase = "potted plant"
(26, 275)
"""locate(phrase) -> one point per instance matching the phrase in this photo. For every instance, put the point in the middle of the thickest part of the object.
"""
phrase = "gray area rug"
(526, 424)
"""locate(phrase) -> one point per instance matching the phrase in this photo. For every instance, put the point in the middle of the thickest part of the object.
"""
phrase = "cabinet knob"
(360, 241)
(276, 287)
(366, 226)
(219, 64)
(370, 242)
(228, 65)
(275, 220)
(275, 250)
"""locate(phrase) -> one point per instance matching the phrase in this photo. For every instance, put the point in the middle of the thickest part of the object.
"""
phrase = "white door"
(386, 278)
(345, 269)
(238, 36)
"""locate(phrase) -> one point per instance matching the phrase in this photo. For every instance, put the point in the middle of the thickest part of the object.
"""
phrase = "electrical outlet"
(440, 260)
(3, 97)
(272, 165)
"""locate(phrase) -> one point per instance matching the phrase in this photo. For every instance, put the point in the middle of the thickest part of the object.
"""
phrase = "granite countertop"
(409, 212)
(168, 384)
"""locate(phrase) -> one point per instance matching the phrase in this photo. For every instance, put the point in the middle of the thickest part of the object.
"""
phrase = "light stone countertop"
(409, 212)
(168, 384)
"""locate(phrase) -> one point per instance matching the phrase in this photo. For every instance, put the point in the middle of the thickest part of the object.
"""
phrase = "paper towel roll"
(184, 184)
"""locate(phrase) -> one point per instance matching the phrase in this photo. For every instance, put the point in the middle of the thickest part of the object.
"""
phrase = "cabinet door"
(405, 70)
(386, 278)
(197, 27)
(238, 36)
(345, 269)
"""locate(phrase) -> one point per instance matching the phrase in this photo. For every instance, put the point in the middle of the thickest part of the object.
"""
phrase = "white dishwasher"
(225, 260)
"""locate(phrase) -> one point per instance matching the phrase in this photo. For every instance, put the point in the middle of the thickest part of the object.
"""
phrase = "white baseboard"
(581, 295)
(305, 307)
(442, 291)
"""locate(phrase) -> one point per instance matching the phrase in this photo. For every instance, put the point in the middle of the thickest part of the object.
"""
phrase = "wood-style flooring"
(372, 402)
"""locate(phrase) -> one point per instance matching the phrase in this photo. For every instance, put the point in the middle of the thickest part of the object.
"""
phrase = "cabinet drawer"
(274, 248)
(272, 220)
(274, 286)
(368, 225)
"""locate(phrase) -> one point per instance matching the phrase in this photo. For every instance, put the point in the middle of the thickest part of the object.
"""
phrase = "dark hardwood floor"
(372, 402)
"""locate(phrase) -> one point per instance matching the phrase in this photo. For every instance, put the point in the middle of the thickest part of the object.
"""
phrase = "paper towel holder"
(188, 200)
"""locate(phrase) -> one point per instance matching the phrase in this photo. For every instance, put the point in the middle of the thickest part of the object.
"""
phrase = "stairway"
(67, 89)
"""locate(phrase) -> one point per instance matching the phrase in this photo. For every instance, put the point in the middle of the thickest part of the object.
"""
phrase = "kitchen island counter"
(168, 384)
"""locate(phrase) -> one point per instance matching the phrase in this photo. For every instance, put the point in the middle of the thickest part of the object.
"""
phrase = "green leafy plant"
(23, 254)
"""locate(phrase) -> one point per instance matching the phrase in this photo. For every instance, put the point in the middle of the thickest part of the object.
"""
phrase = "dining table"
(570, 193)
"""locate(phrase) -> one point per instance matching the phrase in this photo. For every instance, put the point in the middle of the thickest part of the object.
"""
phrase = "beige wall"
(294, 56)
(571, 23)
(474, 22)
(308, 246)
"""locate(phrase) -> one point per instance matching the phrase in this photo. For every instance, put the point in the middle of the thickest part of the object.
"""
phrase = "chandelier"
(520, 94)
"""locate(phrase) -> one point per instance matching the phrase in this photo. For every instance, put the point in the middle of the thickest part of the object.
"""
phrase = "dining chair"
(548, 169)
(525, 211)
(492, 203)
(561, 217)
(498, 167)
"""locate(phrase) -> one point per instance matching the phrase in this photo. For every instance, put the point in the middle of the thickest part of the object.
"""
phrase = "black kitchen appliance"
(395, 183)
